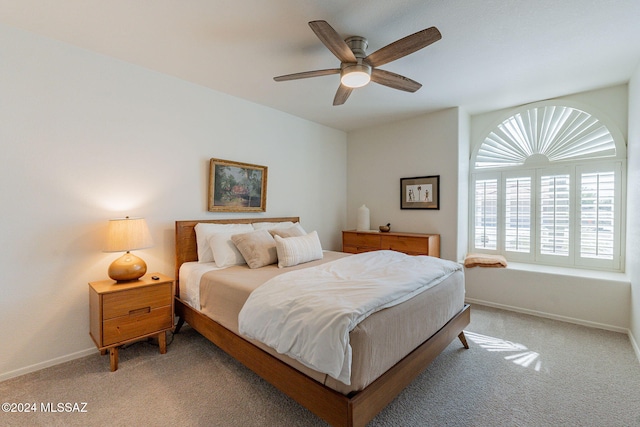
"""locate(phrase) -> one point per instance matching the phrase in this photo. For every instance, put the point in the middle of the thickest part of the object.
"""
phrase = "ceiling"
(493, 53)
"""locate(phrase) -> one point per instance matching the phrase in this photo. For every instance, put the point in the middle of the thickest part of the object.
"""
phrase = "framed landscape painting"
(237, 187)
(422, 192)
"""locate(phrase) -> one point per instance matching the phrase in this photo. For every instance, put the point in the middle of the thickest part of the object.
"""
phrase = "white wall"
(464, 129)
(86, 138)
(633, 205)
(379, 156)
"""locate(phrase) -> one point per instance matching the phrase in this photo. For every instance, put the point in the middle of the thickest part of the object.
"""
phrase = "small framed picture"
(237, 187)
(421, 192)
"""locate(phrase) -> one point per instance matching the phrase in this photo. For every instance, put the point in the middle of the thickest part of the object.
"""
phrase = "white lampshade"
(127, 234)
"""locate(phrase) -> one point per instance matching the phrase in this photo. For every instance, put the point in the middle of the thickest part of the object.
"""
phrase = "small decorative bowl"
(384, 228)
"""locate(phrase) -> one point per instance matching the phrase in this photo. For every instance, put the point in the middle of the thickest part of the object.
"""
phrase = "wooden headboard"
(186, 247)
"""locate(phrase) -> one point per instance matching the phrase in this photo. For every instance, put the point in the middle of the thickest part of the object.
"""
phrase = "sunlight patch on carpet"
(521, 355)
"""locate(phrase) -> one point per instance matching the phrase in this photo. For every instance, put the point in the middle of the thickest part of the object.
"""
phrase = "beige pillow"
(257, 247)
(297, 250)
(295, 231)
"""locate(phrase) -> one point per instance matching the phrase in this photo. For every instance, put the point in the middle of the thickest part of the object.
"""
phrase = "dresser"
(409, 243)
(126, 312)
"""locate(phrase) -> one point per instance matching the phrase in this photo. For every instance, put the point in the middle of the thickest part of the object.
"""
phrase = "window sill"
(566, 271)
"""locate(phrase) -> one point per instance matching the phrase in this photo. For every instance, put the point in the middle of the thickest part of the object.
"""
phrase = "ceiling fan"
(357, 68)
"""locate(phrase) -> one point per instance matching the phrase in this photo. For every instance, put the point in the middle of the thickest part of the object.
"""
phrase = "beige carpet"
(520, 371)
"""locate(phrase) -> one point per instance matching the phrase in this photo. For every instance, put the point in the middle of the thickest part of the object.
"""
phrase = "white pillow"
(205, 230)
(297, 250)
(272, 225)
(225, 253)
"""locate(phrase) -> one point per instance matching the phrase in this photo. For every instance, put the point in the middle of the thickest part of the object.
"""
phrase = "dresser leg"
(113, 358)
(162, 342)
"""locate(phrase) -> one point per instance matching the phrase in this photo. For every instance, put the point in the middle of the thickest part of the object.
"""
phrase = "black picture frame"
(420, 192)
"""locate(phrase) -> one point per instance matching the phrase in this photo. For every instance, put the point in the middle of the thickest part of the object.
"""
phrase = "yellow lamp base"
(127, 268)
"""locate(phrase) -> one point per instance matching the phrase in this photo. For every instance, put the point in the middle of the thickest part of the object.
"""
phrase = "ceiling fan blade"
(342, 94)
(307, 74)
(403, 47)
(332, 41)
(393, 80)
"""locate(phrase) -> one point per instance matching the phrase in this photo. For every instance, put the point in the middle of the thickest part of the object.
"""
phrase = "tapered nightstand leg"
(162, 342)
(113, 358)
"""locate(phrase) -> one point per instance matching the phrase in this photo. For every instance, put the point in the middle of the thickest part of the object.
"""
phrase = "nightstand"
(126, 312)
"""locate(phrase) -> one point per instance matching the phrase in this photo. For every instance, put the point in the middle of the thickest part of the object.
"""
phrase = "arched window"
(547, 187)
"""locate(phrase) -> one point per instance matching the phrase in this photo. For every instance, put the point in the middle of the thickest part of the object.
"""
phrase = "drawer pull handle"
(143, 310)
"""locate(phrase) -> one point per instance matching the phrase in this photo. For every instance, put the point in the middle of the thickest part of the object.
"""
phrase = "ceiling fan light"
(356, 75)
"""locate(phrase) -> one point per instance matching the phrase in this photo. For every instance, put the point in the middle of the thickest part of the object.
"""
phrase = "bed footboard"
(337, 409)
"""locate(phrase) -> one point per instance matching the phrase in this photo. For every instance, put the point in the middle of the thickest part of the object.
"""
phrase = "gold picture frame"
(237, 187)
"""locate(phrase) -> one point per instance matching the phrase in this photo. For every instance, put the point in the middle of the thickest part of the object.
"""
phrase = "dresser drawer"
(408, 245)
(136, 324)
(358, 249)
(117, 304)
(356, 242)
(361, 240)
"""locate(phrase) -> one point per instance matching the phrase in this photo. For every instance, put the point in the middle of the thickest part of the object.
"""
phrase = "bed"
(337, 403)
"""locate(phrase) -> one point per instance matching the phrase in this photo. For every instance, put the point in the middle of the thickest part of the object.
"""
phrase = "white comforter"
(308, 314)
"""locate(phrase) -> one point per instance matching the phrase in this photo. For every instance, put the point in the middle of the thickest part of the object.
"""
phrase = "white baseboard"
(47, 363)
(551, 316)
(635, 345)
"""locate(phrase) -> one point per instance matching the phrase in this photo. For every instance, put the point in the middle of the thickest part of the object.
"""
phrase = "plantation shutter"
(554, 215)
(518, 214)
(486, 214)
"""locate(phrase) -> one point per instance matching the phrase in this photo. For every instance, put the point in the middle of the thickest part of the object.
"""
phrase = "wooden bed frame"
(355, 409)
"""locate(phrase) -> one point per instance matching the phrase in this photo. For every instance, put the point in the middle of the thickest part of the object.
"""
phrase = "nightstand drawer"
(117, 304)
(137, 323)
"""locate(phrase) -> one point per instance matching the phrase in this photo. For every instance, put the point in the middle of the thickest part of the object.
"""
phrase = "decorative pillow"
(225, 253)
(295, 231)
(297, 250)
(272, 225)
(204, 231)
(257, 247)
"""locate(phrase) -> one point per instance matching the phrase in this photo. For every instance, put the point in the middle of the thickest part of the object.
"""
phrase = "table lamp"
(127, 234)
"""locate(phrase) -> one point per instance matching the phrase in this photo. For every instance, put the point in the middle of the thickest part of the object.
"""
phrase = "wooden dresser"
(410, 243)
